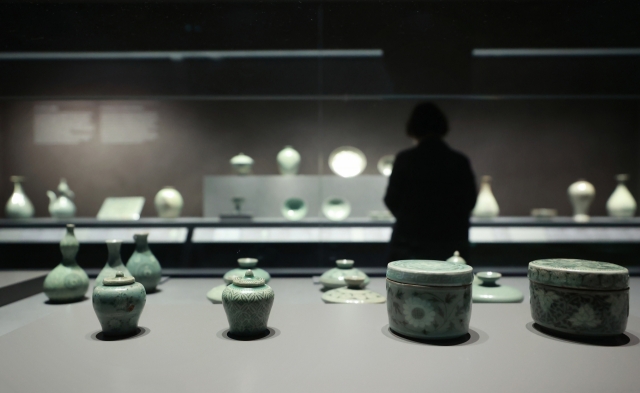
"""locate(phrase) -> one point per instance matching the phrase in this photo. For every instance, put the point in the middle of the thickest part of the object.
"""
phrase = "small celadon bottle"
(67, 282)
(114, 262)
(118, 303)
(143, 265)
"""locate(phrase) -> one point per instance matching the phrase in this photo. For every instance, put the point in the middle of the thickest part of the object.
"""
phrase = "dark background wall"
(533, 148)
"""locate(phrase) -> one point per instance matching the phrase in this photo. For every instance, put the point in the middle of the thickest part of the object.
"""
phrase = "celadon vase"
(168, 202)
(114, 262)
(18, 205)
(61, 205)
(486, 204)
(67, 282)
(581, 194)
(118, 304)
(288, 161)
(247, 303)
(143, 265)
(621, 203)
(241, 164)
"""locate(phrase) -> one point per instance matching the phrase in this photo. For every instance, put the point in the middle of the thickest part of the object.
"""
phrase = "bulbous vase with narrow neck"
(288, 161)
(114, 262)
(143, 265)
(18, 205)
(621, 203)
(581, 194)
(486, 204)
(67, 282)
(61, 205)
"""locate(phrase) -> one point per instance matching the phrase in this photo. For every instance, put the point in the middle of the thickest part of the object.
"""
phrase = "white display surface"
(313, 348)
(91, 235)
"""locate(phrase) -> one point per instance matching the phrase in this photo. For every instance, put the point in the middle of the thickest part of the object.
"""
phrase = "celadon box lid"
(579, 273)
(428, 272)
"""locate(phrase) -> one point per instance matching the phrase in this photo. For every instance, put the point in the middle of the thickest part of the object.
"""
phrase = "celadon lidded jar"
(245, 264)
(67, 282)
(247, 303)
(334, 278)
(579, 297)
(118, 303)
(429, 300)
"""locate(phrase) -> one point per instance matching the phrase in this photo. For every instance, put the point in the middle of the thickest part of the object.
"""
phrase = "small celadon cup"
(588, 299)
(334, 278)
(118, 303)
(429, 300)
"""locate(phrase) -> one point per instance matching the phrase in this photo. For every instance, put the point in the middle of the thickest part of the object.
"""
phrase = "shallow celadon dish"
(429, 300)
(579, 297)
(354, 293)
(487, 290)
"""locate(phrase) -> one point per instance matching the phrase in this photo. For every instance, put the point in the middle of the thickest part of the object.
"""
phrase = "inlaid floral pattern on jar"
(427, 312)
(579, 311)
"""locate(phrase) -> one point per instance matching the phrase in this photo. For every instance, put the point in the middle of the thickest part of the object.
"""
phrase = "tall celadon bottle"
(143, 265)
(67, 282)
(486, 204)
(114, 262)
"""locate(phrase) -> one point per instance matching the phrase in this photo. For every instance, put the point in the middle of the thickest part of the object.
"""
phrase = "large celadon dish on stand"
(429, 300)
(347, 161)
(487, 290)
(354, 293)
(334, 278)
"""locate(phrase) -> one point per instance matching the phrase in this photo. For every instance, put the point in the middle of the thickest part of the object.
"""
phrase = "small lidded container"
(578, 297)
(429, 300)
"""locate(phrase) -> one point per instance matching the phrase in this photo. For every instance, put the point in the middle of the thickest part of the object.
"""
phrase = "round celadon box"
(429, 300)
(582, 298)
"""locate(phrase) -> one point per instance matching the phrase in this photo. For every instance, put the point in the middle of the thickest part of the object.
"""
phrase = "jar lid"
(427, 272)
(248, 281)
(118, 280)
(578, 273)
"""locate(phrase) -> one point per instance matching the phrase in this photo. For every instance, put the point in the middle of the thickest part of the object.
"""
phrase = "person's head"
(427, 121)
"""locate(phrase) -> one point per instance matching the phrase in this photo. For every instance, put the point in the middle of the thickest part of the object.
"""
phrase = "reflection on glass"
(347, 161)
(294, 209)
(336, 209)
(385, 165)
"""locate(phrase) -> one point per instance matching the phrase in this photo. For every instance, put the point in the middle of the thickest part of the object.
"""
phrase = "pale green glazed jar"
(118, 304)
(143, 265)
(67, 282)
(429, 300)
(18, 205)
(578, 297)
(354, 293)
(334, 278)
(247, 303)
(114, 262)
(245, 264)
(489, 291)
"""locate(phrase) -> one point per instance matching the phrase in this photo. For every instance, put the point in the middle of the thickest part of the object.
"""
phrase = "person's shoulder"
(406, 153)
(459, 156)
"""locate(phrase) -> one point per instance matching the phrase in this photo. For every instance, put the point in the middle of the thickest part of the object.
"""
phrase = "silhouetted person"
(431, 192)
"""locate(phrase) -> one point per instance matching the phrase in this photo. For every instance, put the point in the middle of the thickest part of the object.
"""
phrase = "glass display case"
(277, 124)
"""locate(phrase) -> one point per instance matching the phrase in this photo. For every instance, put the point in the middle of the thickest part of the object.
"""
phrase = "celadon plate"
(489, 291)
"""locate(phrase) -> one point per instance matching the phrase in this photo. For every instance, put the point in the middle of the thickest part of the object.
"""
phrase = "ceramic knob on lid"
(345, 263)
(118, 303)
(456, 258)
(246, 263)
